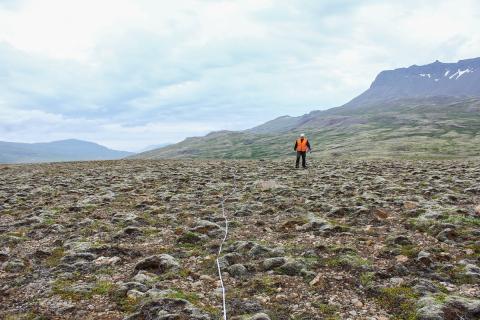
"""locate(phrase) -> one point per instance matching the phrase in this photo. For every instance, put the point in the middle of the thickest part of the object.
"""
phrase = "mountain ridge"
(460, 79)
(414, 106)
(59, 150)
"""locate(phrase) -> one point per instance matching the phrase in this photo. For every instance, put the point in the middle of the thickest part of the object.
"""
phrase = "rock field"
(365, 239)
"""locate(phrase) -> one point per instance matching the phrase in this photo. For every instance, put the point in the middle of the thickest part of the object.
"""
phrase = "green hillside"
(426, 128)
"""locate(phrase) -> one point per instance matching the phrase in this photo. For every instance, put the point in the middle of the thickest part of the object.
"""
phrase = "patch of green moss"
(328, 311)
(462, 220)
(458, 275)
(64, 289)
(399, 301)
(189, 296)
(108, 270)
(409, 250)
(263, 284)
(190, 238)
(440, 297)
(421, 224)
(366, 278)
(349, 260)
(103, 288)
(54, 259)
(49, 221)
(127, 304)
(151, 232)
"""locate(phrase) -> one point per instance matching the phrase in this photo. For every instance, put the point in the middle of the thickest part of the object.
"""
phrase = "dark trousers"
(302, 154)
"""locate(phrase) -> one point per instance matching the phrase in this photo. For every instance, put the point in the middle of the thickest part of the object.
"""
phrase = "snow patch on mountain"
(459, 73)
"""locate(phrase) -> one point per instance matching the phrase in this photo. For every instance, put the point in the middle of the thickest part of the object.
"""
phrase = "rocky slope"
(341, 240)
(63, 150)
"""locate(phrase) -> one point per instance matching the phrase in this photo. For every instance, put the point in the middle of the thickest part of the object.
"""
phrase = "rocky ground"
(341, 240)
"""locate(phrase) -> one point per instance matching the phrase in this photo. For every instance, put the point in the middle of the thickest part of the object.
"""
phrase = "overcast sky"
(131, 73)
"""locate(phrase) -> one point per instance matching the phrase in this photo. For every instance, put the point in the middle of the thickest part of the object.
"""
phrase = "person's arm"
(295, 148)
(308, 146)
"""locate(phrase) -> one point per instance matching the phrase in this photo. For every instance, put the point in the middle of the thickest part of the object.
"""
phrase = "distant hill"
(420, 111)
(64, 150)
(153, 147)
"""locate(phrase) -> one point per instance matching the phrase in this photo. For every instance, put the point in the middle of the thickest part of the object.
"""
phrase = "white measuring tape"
(223, 241)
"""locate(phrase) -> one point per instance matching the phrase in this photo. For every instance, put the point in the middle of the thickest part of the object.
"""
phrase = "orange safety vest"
(302, 145)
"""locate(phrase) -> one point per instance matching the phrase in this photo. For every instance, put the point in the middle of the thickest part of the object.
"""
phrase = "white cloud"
(114, 65)
(63, 29)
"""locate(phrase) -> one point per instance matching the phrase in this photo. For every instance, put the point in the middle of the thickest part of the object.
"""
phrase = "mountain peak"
(460, 79)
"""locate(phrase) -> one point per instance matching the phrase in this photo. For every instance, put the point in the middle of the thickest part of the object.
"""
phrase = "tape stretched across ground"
(223, 241)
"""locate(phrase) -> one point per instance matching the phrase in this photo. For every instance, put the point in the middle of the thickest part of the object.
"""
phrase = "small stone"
(14, 266)
(293, 268)
(260, 316)
(472, 270)
(3, 256)
(280, 297)
(136, 286)
(259, 250)
(315, 224)
(424, 257)
(143, 277)
(477, 210)
(272, 263)
(169, 308)
(229, 259)
(134, 294)
(409, 205)
(316, 280)
(401, 240)
(158, 264)
(397, 281)
(155, 293)
(425, 287)
(204, 226)
(381, 213)
(237, 270)
(357, 303)
(205, 277)
(106, 261)
(401, 258)
(131, 231)
(447, 234)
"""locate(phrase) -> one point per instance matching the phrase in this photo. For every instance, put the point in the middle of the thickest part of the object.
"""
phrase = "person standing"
(302, 146)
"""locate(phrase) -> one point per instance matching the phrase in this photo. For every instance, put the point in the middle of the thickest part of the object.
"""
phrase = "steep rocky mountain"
(63, 150)
(420, 111)
(461, 79)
